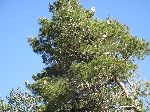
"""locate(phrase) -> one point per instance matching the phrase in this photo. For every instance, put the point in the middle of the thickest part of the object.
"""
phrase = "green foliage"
(19, 102)
(90, 62)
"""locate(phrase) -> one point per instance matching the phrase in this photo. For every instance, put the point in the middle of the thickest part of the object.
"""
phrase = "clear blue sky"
(19, 20)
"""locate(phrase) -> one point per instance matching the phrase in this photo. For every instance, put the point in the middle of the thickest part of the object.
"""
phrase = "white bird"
(27, 82)
(93, 9)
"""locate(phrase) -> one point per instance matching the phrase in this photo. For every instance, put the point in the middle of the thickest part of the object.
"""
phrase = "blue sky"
(19, 20)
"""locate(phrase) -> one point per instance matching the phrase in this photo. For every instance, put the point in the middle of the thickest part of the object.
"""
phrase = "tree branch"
(121, 84)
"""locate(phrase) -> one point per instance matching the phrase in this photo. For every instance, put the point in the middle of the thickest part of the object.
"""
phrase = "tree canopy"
(90, 63)
(19, 101)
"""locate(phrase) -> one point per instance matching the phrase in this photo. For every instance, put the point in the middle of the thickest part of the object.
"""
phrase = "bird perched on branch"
(93, 9)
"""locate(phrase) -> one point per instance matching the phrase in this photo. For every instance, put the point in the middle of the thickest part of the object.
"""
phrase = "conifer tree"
(90, 63)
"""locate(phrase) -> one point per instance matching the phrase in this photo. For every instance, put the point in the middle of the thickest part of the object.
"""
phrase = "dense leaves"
(89, 62)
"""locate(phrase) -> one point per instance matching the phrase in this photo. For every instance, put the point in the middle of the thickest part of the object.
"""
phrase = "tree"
(90, 63)
(19, 101)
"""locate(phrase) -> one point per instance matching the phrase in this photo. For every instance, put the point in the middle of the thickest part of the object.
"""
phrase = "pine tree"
(90, 63)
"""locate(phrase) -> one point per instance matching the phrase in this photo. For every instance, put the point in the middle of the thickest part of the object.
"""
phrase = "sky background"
(19, 20)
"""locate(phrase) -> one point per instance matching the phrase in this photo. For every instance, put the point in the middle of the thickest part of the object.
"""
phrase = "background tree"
(19, 101)
(90, 63)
